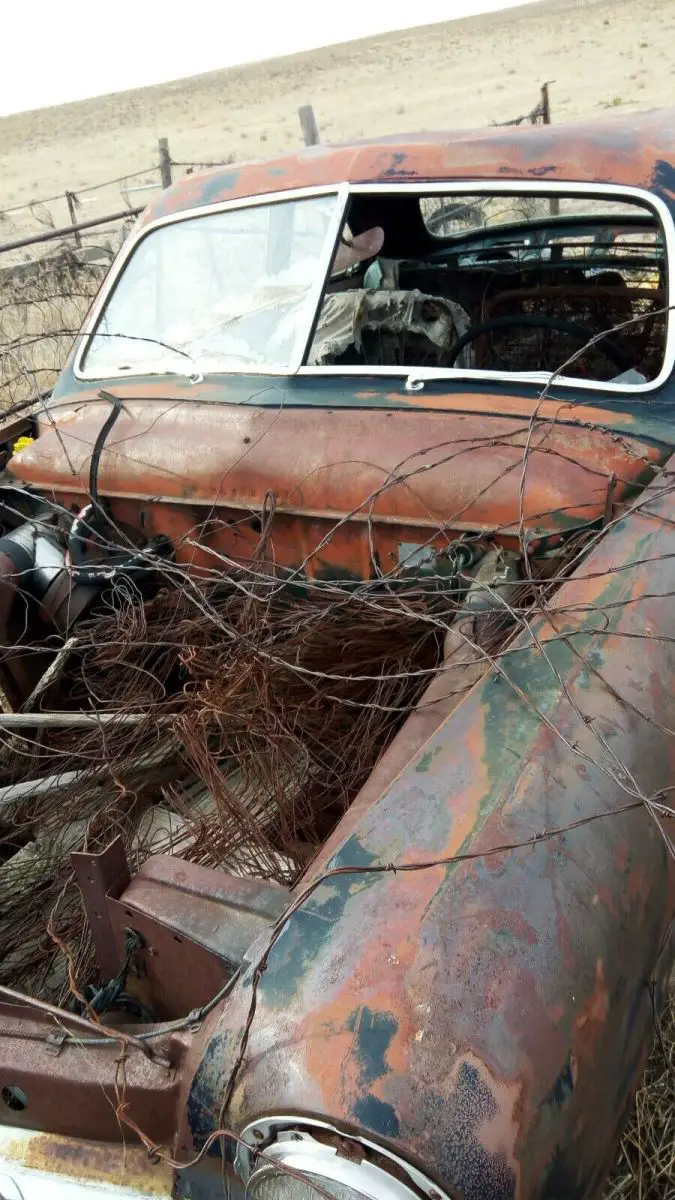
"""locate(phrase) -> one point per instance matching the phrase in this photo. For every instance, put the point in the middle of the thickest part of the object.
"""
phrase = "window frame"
(415, 377)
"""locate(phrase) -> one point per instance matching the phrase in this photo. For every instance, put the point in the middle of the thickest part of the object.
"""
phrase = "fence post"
(310, 129)
(71, 200)
(554, 203)
(545, 103)
(164, 162)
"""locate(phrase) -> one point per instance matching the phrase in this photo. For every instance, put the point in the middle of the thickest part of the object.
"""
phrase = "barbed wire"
(269, 695)
(80, 191)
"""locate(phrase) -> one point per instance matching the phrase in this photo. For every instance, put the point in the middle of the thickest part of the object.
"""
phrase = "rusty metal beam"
(98, 877)
(69, 230)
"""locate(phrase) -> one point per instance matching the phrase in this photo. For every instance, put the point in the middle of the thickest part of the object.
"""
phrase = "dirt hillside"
(600, 53)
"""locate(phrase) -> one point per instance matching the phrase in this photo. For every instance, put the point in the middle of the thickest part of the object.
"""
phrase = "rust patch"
(594, 1011)
(95, 1162)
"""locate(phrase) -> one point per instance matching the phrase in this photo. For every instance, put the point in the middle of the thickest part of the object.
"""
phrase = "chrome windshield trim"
(343, 191)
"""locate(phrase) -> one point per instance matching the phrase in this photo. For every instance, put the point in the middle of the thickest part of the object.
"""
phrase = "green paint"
(426, 758)
(373, 1034)
(312, 927)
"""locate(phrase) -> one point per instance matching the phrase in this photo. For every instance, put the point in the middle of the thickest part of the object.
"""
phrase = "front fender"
(490, 1017)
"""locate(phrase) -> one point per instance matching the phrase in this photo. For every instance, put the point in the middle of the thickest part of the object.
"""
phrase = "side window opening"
(502, 282)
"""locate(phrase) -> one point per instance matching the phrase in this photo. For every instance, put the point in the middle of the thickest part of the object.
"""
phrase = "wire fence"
(26, 226)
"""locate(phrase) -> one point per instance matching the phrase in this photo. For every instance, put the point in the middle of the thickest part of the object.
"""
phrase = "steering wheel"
(575, 329)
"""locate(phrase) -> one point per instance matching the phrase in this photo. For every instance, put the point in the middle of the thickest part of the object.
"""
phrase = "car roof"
(636, 150)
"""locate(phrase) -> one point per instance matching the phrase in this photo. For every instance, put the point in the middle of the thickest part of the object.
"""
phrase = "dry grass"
(645, 1164)
(42, 305)
(460, 74)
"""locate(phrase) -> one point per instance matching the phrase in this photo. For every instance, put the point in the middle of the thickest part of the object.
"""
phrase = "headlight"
(284, 1158)
(271, 1185)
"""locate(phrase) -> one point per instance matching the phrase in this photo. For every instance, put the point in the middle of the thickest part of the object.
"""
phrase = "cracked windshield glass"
(227, 291)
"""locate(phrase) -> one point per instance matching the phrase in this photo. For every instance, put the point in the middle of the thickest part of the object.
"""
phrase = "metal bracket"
(54, 1043)
(194, 1020)
(99, 876)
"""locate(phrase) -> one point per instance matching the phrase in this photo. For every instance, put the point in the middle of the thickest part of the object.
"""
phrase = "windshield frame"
(266, 199)
(475, 187)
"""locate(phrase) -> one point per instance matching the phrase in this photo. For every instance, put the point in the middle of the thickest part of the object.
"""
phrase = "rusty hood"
(467, 468)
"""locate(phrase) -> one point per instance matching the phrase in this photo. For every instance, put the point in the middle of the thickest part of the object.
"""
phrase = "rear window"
(452, 216)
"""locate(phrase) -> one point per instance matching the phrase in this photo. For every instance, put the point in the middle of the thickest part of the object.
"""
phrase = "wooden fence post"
(71, 201)
(164, 162)
(554, 203)
(545, 103)
(310, 129)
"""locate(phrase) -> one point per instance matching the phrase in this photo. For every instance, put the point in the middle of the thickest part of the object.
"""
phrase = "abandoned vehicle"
(346, 543)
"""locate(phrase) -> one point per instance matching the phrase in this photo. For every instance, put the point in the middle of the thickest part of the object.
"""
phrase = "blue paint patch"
(202, 1101)
(475, 1173)
(373, 1035)
(562, 1088)
(353, 854)
(561, 1180)
(663, 179)
(214, 186)
(374, 1114)
(425, 760)
(397, 170)
(312, 927)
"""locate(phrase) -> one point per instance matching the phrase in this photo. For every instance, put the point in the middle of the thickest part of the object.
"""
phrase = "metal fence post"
(164, 162)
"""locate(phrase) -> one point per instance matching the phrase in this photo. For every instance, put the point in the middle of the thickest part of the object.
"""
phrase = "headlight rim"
(280, 1134)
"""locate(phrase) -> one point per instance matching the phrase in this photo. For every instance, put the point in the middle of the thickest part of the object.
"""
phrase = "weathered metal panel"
(638, 150)
(37, 1166)
(195, 925)
(490, 1018)
(98, 877)
(394, 471)
(74, 1090)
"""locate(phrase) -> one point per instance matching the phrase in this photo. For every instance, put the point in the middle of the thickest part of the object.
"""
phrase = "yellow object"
(21, 443)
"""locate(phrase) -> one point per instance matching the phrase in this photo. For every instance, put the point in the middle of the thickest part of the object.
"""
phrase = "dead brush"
(261, 760)
(645, 1163)
(42, 306)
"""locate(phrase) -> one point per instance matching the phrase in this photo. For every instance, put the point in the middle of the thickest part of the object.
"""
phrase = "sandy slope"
(601, 53)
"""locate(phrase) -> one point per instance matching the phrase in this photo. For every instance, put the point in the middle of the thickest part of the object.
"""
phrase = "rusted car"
(446, 359)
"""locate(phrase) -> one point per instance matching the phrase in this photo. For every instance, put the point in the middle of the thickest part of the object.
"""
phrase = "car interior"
(500, 282)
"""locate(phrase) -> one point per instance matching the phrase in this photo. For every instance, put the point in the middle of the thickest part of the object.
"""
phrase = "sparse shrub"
(42, 306)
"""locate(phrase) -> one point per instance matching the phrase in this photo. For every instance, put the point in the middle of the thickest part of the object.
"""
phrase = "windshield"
(227, 291)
